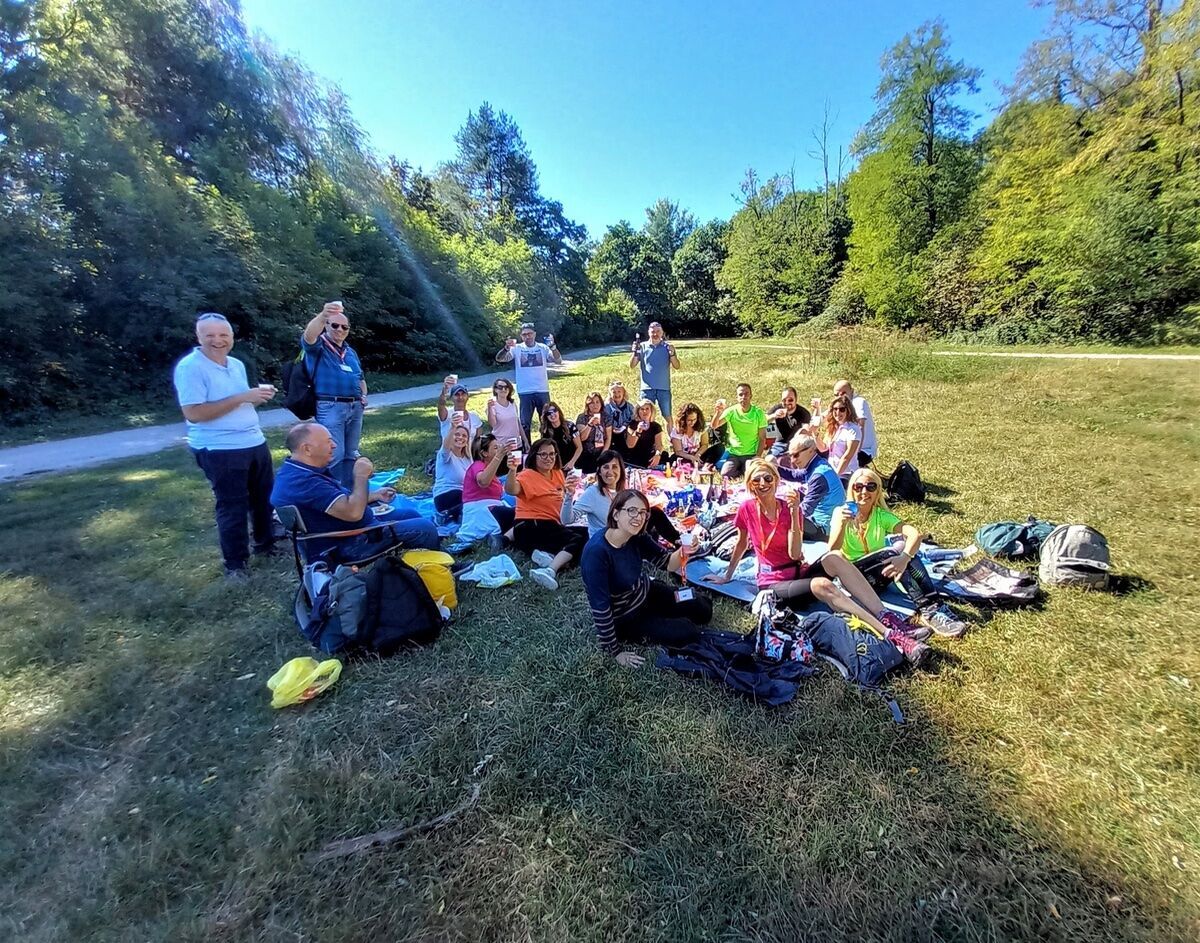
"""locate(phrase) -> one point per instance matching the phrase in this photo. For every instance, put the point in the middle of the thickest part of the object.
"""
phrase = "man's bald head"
(299, 434)
(843, 388)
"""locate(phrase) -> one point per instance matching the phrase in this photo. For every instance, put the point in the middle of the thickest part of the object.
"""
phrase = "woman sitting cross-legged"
(540, 531)
(775, 531)
(627, 605)
(643, 438)
(593, 503)
(689, 438)
(862, 538)
(453, 459)
(484, 512)
(562, 432)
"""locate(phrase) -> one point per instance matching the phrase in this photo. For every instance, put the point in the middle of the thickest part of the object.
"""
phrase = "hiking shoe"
(915, 653)
(542, 559)
(942, 620)
(544, 578)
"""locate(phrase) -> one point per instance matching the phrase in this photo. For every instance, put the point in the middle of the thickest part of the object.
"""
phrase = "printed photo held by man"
(225, 438)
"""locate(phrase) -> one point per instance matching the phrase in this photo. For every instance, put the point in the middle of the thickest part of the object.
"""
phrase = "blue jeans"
(344, 422)
(241, 481)
(532, 403)
(661, 398)
(414, 533)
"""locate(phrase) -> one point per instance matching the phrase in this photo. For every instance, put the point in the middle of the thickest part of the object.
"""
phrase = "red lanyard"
(339, 352)
(761, 518)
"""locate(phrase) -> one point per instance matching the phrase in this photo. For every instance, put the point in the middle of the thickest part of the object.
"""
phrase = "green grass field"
(1048, 786)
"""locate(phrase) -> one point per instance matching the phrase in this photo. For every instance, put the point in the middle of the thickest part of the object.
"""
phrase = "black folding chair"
(293, 523)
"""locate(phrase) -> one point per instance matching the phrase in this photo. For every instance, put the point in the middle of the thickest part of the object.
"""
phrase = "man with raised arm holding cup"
(339, 384)
(530, 359)
(655, 358)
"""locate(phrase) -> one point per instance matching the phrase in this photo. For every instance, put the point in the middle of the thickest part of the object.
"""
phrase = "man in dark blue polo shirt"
(339, 385)
(305, 482)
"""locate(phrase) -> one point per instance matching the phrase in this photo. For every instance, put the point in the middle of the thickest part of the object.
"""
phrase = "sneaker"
(544, 578)
(240, 575)
(542, 559)
(942, 620)
(915, 653)
(495, 543)
(915, 627)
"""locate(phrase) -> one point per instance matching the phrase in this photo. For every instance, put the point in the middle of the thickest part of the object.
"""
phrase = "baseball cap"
(458, 388)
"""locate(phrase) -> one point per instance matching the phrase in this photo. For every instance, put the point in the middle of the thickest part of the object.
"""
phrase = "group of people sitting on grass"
(564, 499)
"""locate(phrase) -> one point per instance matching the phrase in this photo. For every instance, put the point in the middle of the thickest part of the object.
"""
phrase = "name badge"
(684, 594)
(346, 368)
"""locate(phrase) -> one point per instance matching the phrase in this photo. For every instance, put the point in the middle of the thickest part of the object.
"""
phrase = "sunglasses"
(551, 412)
(840, 409)
(762, 479)
(339, 327)
(868, 486)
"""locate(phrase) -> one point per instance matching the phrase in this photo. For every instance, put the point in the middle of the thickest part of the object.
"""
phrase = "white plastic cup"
(686, 541)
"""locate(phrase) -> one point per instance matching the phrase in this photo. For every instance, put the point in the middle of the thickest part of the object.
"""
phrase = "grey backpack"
(1075, 555)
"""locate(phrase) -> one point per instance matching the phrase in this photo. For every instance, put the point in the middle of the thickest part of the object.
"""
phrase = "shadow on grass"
(1130, 584)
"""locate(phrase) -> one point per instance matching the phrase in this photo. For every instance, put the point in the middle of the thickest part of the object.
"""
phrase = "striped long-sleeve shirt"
(615, 582)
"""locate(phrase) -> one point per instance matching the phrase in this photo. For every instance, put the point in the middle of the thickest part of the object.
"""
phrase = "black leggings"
(550, 536)
(797, 594)
(660, 620)
(449, 503)
(505, 516)
(659, 525)
(916, 582)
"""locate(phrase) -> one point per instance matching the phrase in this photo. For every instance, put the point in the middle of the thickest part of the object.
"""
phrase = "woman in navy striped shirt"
(626, 604)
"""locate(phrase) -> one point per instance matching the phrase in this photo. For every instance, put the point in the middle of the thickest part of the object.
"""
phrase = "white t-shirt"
(199, 380)
(842, 439)
(474, 424)
(863, 409)
(529, 368)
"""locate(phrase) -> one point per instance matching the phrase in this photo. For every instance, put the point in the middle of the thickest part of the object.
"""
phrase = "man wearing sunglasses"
(339, 385)
(227, 441)
(823, 490)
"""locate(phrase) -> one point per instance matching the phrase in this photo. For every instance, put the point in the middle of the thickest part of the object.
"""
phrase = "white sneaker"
(542, 559)
(544, 578)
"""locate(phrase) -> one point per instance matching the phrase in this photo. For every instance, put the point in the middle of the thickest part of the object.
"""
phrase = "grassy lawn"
(1048, 786)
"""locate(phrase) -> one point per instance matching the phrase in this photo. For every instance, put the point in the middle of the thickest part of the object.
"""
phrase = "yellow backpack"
(433, 566)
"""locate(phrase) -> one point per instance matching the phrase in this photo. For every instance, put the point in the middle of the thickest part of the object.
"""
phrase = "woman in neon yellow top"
(861, 536)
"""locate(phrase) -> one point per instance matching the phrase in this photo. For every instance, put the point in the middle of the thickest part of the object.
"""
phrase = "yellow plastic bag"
(302, 679)
(433, 566)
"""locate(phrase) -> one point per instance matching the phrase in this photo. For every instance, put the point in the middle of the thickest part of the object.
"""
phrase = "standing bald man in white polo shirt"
(227, 441)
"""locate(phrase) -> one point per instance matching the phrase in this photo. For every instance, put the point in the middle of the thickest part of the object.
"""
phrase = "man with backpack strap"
(338, 382)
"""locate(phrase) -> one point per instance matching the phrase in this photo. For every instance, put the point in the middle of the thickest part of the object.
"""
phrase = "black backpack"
(299, 395)
(904, 485)
(378, 611)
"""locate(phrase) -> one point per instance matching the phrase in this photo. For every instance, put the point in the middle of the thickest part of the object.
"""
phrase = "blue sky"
(623, 103)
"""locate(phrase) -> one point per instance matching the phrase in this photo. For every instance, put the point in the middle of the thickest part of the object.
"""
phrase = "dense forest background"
(156, 160)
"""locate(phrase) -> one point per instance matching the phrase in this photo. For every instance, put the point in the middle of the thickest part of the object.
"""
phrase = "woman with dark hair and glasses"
(540, 531)
(860, 532)
(774, 530)
(628, 606)
(840, 437)
(562, 432)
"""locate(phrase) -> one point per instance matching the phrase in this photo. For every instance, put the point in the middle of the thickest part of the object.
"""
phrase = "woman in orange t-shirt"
(540, 531)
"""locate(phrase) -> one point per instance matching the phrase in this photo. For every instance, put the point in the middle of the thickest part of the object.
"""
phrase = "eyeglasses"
(635, 514)
(339, 327)
(546, 454)
(868, 486)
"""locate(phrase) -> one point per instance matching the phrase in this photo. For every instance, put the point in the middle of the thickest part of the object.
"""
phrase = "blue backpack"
(1013, 540)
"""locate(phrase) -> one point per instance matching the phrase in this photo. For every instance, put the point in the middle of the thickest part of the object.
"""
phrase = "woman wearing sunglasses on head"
(862, 538)
(775, 532)
(840, 437)
(540, 531)
(503, 416)
(628, 606)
